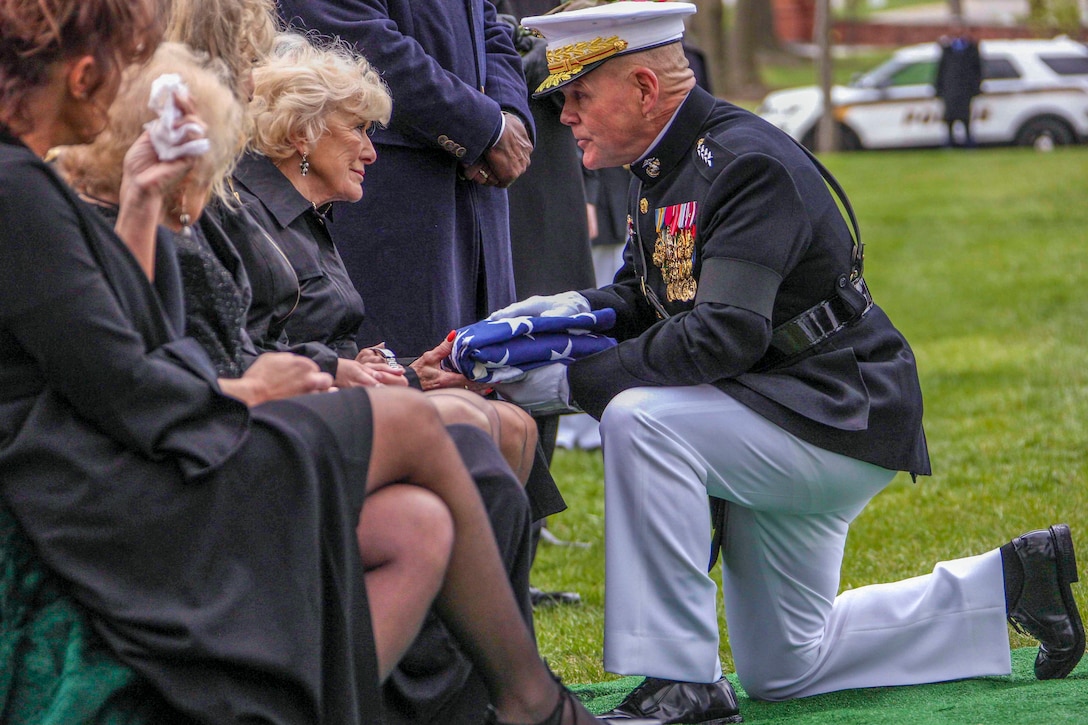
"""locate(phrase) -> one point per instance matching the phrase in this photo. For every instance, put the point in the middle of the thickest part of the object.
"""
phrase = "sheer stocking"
(475, 600)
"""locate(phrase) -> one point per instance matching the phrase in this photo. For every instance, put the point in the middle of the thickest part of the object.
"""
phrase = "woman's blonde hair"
(96, 168)
(305, 80)
(238, 32)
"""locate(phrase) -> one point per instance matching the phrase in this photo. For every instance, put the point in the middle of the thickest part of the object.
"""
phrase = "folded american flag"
(499, 351)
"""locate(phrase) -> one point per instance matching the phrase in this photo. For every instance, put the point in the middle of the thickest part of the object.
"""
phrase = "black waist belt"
(819, 322)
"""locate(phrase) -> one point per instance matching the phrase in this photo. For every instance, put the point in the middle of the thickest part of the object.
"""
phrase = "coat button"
(643, 205)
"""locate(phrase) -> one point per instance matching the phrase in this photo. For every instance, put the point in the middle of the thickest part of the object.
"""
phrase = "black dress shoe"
(1044, 608)
(541, 598)
(711, 703)
(569, 711)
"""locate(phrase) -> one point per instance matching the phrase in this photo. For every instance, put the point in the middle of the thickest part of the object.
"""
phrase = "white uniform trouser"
(791, 504)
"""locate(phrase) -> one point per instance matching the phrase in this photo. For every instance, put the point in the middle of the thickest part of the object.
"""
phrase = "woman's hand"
(276, 375)
(428, 367)
(387, 371)
(353, 374)
(146, 184)
(148, 187)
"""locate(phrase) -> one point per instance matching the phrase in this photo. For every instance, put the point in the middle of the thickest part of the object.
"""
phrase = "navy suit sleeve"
(429, 100)
(505, 75)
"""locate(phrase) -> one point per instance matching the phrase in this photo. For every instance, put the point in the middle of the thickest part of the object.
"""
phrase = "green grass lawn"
(979, 258)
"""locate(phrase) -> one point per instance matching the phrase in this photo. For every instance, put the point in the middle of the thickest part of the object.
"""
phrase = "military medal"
(674, 249)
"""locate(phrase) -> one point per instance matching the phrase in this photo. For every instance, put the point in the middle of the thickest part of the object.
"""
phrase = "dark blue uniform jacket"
(768, 243)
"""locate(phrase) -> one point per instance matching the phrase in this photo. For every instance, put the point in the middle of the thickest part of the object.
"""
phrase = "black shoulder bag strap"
(857, 262)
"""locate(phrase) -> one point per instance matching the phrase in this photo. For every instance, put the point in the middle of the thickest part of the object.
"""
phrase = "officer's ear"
(649, 88)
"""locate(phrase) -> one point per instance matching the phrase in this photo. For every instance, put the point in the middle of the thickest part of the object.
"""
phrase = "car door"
(904, 113)
(994, 113)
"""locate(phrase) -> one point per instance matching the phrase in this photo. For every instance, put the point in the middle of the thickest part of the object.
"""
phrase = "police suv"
(1034, 93)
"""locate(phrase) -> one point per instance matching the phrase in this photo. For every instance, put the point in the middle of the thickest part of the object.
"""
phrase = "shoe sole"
(1067, 574)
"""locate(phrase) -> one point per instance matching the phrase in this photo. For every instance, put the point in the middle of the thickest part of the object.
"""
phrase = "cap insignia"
(567, 61)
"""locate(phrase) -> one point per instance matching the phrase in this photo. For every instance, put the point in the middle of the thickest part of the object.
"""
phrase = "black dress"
(214, 298)
(213, 546)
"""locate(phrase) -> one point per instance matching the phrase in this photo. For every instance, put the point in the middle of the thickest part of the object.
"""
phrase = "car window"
(913, 74)
(998, 68)
(1067, 65)
(896, 72)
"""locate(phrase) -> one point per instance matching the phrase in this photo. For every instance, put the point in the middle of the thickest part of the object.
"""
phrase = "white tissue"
(166, 136)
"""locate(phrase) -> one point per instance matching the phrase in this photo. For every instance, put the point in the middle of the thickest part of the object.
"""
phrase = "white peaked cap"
(580, 40)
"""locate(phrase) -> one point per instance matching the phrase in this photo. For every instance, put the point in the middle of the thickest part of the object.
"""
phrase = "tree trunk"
(706, 32)
(955, 7)
(826, 136)
(766, 38)
(744, 80)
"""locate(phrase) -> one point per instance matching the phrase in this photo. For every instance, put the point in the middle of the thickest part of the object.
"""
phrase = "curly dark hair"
(36, 34)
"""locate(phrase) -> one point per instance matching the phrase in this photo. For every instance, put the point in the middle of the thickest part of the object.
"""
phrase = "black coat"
(548, 229)
(959, 77)
(607, 190)
(213, 546)
(768, 243)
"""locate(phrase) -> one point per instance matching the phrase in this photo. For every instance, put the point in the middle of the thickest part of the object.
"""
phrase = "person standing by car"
(959, 79)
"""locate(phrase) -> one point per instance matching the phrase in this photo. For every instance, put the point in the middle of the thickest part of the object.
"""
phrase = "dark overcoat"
(768, 244)
(427, 250)
(959, 77)
(213, 546)
(549, 232)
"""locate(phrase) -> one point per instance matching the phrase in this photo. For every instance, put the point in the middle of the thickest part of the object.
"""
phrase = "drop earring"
(186, 220)
(304, 165)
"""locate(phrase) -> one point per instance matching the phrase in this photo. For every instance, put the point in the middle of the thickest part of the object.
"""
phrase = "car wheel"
(847, 139)
(809, 139)
(1044, 133)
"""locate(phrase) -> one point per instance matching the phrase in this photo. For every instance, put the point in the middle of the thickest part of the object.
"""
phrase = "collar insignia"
(704, 152)
(652, 166)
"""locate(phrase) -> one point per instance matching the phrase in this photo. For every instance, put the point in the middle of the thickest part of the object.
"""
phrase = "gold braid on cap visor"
(567, 61)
